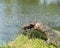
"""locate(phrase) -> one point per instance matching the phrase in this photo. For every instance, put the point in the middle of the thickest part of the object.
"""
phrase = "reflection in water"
(29, 2)
(13, 14)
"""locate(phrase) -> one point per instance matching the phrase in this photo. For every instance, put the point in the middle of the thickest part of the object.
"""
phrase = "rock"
(52, 35)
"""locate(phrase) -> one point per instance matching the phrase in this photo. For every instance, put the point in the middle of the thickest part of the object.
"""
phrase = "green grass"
(23, 41)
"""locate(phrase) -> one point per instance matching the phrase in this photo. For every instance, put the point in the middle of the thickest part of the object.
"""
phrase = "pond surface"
(13, 14)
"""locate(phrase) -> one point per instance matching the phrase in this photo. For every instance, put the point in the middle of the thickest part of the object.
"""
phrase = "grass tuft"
(23, 41)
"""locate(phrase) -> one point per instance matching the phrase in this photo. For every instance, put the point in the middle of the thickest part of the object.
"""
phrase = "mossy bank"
(23, 41)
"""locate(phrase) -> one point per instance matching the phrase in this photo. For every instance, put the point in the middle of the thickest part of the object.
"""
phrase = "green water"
(14, 13)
